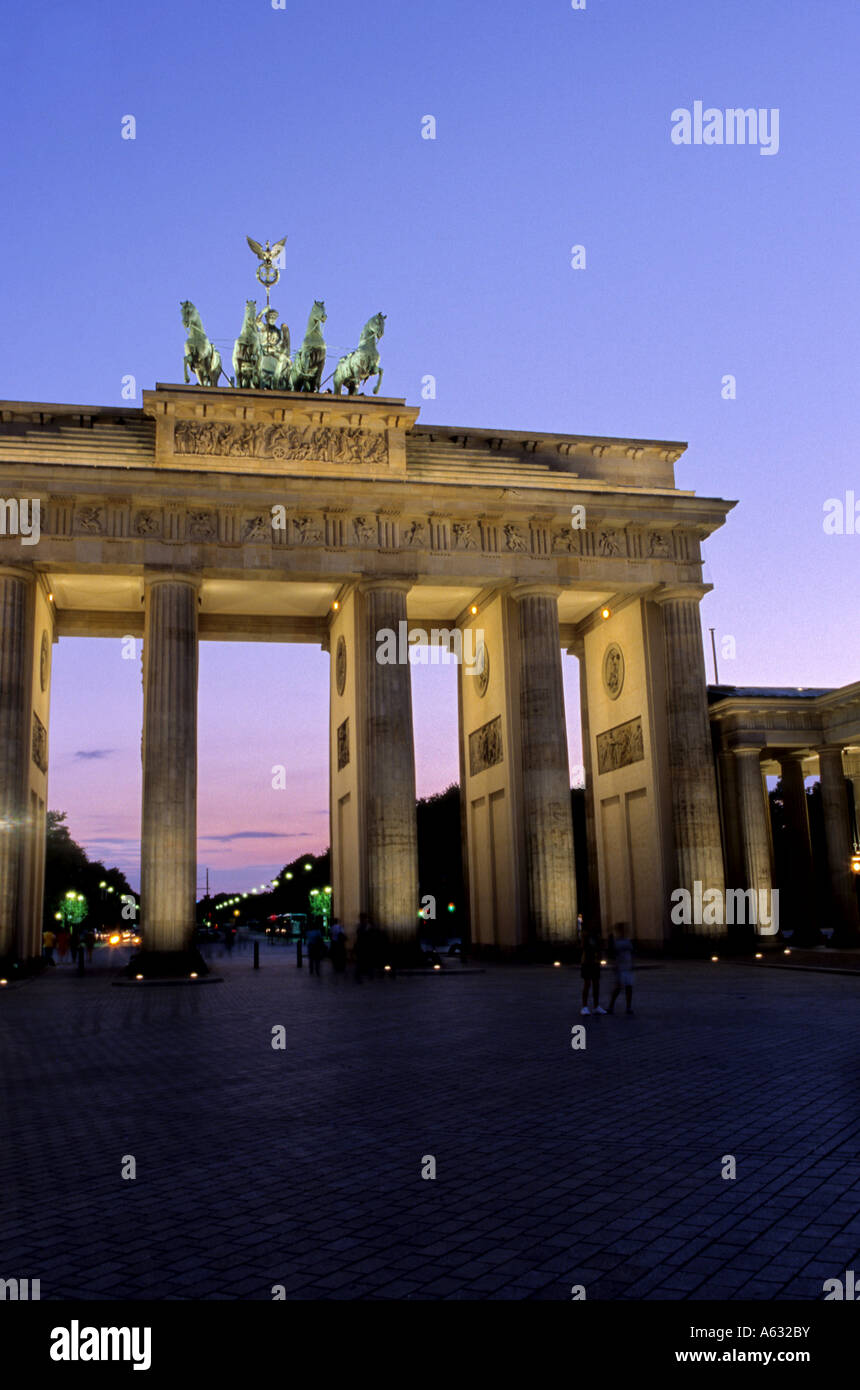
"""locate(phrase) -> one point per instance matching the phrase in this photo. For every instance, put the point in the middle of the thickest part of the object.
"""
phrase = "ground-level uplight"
(714, 957)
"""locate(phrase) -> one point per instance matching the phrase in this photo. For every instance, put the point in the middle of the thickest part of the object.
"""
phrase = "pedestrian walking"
(337, 949)
(64, 940)
(590, 970)
(48, 943)
(316, 949)
(90, 941)
(621, 947)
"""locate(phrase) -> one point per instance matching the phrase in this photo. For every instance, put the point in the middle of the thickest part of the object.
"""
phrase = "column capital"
(745, 741)
(526, 590)
(397, 582)
(786, 756)
(17, 572)
(676, 593)
(161, 576)
(829, 750)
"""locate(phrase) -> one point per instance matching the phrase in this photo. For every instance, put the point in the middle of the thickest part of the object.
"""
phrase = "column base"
(170, 967)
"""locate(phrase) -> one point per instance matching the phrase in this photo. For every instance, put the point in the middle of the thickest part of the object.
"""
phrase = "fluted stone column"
(837, 828)
(591, 909)
(695, 815)
(391, 836)
(169, 822)
(798, 842)
(546, 813)
(731, 820)
(755, 832)
(16, 646)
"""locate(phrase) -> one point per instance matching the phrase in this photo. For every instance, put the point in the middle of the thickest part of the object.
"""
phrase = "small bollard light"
(758, 955)
(138, 977)
(556, 963)
(714, 957)
(387, 967)
(193, 975)
(786, 952)
(436, 967)
(4, 982)
(603, 962)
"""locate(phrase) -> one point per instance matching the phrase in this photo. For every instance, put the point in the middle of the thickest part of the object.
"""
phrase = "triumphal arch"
(222, 513)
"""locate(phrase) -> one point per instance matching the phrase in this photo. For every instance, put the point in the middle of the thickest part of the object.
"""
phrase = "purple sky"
(553, 128)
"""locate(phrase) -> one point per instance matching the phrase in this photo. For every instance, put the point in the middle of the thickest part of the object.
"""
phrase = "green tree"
(69, 868)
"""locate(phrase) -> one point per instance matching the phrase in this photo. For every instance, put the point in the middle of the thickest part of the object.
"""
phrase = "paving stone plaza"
(601, 1167)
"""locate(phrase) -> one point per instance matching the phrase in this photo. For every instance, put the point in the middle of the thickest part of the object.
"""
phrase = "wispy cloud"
(255, 835)
(93, 753)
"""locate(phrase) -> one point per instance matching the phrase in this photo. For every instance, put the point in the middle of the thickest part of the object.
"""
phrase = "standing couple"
(621, 951)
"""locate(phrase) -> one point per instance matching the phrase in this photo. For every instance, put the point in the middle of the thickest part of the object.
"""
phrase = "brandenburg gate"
(231, 513)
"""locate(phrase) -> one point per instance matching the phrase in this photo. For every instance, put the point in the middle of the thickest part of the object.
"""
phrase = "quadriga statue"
(247, 350)
(201, 357)
(309, 362)
(363, 362)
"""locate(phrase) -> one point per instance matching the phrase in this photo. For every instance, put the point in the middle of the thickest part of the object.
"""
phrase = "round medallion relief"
(43, 661)
(482, 668)
(613, 670)
(340, 666)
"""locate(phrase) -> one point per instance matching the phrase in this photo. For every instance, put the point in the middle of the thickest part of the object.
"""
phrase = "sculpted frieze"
(317, 443)
(485, 746)
(147, 523)
(91, 520)
(621, 746)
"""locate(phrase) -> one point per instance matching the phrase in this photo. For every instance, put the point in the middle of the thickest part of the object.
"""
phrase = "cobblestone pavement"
(555, 1167)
